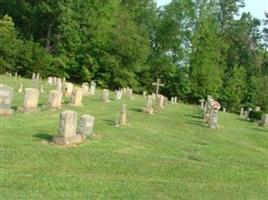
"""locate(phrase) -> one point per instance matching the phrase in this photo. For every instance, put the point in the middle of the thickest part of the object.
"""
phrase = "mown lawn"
(169, 155)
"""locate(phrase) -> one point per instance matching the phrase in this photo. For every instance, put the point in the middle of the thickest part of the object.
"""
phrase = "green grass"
(169, 155)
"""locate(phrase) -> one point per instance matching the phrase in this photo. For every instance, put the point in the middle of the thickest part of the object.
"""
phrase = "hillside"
(169, 155)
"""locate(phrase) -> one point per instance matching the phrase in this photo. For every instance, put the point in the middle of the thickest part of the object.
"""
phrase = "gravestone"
(123, 116)
(77, 96)
(130, 93)
(6, 96)
(175, 100)
(202, 101)
(85, 87)
(50, 81)
(258, 108)
(166, 101)
(67, 129)
(224, 110)
(149, 105)
(54, 80)
(124, 90)
(30, 99)
(144, 94)
(33, 76)
(242, 113)
(118, 94)
(213, 117)
(68, 89)
(105, 96)
(16, 76)
(41, 89)
(86, 126)
(264, 120)
(55, 99)
(59, 84)
(92, 88)
(161, 100)
(20, 88)
(37, 77)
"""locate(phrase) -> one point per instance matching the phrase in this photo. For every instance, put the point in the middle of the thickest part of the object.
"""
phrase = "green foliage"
(195, 47)
(255, 115)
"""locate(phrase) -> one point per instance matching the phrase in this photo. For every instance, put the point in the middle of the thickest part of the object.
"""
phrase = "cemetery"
(134, 100)
(100, 147)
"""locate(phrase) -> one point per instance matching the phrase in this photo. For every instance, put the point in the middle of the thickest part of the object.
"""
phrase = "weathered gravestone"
(41, 89)
(92, 88)
(77, 96)
(50, 81)
(160, 102)
(202, 101)
(242, 113)
(6, 96)
(118, 94)
(166, 101)
(257, 108)
(68, 89)
(85, 87)
(144, 94)
(123, 116)
(105, 96)
(30, 99)
(20, 88)
(264, 120)
(213, 117)
(149, 105)
(55, 99)
(86, 124)
(67, 129)
(59, 84)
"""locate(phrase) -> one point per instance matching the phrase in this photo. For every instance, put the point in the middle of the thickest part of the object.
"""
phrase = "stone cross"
(158, 85)
(86, 126)
(30, 99)
(6, 96)
(55, 99)
(149, 105)
(77, 96)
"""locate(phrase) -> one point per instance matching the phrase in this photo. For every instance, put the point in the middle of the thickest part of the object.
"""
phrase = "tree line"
(196, 47)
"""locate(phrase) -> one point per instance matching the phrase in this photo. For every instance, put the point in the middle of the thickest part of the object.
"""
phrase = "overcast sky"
(255, 7)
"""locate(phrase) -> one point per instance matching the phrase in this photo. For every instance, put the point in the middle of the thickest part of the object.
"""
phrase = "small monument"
(202, 102)
(123, 116)
(161, 100)
(41, 89)
(68, 89)
(77, 96)
(55, 99)
(213, 117)
(6, 96)
(149, 105)
(50, 81)
(92, 88)
(105, 96)
(30, 99)
(20, 88)
(85, 87)
(264, 120)
(67, 129)
(118, 94)
(59, 84)
(86, 126)
(242, 112)
(158, 85)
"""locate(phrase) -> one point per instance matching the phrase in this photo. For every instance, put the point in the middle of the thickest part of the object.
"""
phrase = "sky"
(255, 7)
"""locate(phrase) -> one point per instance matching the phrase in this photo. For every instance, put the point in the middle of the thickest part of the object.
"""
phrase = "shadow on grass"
(44, 136)
(194, 116)
(136, 109)
(197, 123)
(110, 122)
(260, 130)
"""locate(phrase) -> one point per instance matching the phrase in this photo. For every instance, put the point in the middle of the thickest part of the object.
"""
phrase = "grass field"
(169, 155)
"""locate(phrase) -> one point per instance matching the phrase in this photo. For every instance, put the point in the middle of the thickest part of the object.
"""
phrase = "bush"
(255, 115)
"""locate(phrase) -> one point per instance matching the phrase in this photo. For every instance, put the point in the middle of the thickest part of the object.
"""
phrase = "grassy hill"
(169, 155)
